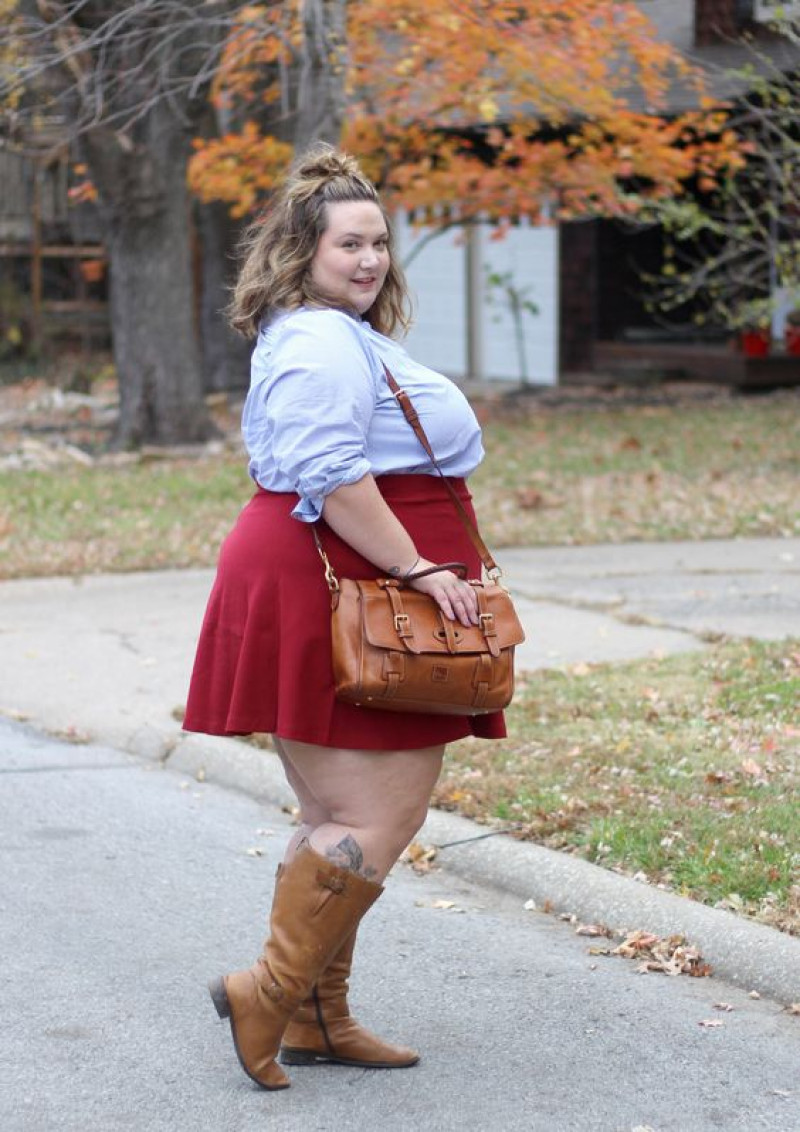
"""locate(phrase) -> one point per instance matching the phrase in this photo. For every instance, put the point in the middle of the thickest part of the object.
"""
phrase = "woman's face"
(352, 256)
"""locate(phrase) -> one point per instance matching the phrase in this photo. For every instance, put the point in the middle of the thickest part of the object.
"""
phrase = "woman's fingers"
(457, 601)
(455, 597)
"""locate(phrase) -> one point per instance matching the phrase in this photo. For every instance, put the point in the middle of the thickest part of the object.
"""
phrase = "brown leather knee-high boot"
(322, 1030)
(316, 906)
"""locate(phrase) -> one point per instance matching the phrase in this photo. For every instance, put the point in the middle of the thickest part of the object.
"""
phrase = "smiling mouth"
(366, 282)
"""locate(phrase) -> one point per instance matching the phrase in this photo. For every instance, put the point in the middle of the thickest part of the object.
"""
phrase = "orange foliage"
(436, 88)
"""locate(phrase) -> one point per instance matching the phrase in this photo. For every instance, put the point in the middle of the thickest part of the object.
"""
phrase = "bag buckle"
(401, 621)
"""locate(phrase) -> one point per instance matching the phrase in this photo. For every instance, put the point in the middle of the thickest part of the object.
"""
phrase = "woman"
(328, 444)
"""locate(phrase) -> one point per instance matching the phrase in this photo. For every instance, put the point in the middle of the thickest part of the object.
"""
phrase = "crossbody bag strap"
(411, 415)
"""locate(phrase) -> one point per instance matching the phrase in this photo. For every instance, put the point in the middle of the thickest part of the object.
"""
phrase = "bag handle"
(411, 415)
(459, 568)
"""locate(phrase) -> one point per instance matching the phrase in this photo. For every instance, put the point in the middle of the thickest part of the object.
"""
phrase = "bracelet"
(412, 568)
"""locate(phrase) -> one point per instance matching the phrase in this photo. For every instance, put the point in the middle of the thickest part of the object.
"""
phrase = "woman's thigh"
(366, 789)
(312, 812)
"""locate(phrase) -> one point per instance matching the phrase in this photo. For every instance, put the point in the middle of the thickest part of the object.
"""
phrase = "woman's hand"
(455, 597)
(359, 514)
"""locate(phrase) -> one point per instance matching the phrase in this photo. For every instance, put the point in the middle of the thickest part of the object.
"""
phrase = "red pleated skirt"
(263, 659)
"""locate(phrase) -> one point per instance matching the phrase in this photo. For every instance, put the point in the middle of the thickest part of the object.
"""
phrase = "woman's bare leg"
(360, 809)
(312, 814)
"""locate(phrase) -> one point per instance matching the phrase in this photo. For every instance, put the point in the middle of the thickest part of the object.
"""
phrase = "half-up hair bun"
(328, 174)
(322, 163)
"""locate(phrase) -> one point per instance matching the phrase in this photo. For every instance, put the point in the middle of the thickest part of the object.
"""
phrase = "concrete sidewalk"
(108, 658)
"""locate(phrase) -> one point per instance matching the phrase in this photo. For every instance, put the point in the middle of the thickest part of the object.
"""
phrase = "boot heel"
(219, 996)
(301, 1057)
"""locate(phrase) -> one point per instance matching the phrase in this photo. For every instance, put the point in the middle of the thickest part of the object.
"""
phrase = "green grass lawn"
(649, 473)
(685, 769)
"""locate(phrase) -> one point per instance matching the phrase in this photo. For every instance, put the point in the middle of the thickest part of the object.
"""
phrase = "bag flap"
(426, 622)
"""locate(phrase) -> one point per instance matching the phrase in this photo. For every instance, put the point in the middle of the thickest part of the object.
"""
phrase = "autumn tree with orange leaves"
(479, 108)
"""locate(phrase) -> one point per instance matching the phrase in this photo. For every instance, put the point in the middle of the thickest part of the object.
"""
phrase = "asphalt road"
(124, 886)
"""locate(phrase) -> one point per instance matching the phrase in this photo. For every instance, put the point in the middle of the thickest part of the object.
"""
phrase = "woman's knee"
(413, 820)
(386, 791)
(395, 830)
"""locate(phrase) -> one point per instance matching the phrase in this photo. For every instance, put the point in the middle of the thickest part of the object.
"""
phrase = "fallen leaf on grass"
(754, 994)
(439, 905)
(725, 1006)
(720, 776)
(255, 852)
(710, 1023)
(530, 499)
(793, 1008)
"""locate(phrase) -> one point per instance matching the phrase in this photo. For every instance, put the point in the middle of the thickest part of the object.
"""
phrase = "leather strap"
(411, 415)
(454, 567)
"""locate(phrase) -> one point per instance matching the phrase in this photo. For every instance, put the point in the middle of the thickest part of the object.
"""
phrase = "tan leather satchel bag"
(394, 649)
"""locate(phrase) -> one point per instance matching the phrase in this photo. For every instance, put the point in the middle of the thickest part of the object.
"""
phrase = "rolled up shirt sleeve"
(319, 404)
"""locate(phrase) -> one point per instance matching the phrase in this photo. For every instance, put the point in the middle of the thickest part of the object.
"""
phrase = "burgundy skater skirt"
(264, 656)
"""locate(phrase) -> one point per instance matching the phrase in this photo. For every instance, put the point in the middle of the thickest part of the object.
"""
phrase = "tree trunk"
(144, 205)
(226, 355)
(315, 84)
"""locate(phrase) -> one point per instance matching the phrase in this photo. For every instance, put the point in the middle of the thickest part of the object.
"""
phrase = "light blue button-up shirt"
(319, 413)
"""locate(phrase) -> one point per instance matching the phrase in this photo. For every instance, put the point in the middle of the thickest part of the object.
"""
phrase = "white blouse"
(320, 414)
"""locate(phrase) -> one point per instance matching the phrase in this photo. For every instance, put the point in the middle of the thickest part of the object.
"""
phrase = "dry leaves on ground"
(420, 857)
(594, 930)
(440, 905)
(670, 955)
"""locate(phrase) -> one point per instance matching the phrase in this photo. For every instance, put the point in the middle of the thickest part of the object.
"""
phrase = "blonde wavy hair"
(278, 248)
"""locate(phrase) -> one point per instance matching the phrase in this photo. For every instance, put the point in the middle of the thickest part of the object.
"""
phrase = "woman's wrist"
(399, 572)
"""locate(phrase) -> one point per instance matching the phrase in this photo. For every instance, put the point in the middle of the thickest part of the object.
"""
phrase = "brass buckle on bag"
(401, 621)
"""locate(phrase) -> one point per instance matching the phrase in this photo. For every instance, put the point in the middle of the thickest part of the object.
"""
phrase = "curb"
(750, 955)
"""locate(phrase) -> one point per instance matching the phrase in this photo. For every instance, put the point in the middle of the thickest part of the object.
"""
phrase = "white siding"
(438, 280)
(530, 255)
